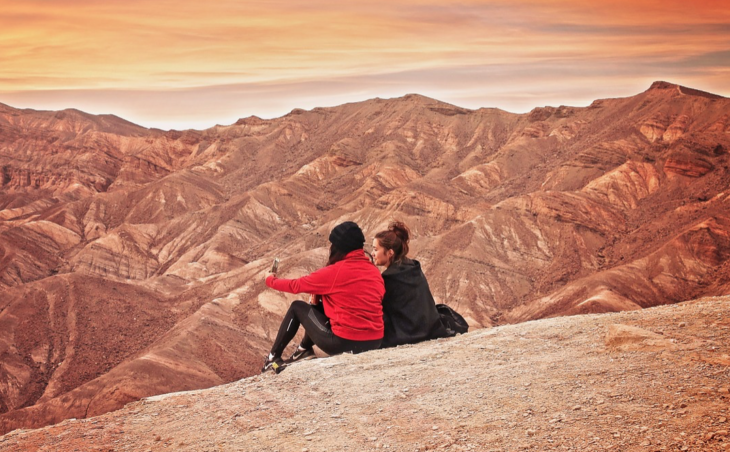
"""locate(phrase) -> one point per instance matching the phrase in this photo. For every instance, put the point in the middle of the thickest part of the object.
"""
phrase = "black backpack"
(452, 320)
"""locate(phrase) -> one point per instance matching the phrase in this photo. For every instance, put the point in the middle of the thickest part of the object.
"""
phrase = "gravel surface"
(650, 380)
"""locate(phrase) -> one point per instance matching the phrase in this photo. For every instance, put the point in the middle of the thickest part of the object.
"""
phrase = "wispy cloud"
(117, 56)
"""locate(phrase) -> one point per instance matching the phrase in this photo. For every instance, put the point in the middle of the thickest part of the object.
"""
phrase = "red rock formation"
(132, 259)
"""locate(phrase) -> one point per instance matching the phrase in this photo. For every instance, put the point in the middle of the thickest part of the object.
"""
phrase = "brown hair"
(336, 255)
(395, 238)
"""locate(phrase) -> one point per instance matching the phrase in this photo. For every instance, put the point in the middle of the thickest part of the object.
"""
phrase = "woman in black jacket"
(409, 310)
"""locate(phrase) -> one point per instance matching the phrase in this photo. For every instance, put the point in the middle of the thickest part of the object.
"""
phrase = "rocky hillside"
(131, 260)
(648, 380)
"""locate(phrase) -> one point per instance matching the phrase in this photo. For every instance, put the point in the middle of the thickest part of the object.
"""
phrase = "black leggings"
(317, 332)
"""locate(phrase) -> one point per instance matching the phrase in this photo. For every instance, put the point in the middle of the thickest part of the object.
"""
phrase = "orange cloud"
(486, 51)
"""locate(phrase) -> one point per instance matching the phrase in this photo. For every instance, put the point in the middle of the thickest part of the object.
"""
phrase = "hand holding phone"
(275, 265)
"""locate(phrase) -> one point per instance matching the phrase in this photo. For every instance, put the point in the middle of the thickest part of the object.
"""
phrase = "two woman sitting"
(360, 310)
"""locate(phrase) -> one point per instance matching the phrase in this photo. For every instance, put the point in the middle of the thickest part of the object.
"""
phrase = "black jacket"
(409, 310)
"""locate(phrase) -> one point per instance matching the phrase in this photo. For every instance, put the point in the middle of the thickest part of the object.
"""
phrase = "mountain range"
(132, 259)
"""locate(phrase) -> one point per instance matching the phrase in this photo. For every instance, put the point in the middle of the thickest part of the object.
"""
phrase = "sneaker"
(275, 364)
(301, 355)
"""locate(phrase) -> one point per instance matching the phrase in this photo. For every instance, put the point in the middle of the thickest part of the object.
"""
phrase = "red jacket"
(352, 293)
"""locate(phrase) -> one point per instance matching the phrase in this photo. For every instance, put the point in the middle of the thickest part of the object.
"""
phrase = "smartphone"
(275, 265)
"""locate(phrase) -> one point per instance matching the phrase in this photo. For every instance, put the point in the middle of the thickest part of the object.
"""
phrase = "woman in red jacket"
(351, 289)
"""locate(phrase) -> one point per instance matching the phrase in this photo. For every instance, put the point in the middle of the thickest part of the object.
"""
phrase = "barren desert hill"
(131, 260)
(647, 380)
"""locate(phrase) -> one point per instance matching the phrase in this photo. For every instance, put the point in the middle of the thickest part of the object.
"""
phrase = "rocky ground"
(649, 380)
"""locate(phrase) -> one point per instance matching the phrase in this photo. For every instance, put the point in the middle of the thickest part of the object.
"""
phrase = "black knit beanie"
(347, 237)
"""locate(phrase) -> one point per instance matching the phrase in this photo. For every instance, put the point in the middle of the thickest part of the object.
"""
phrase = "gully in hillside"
(409, 310)
(350, 318)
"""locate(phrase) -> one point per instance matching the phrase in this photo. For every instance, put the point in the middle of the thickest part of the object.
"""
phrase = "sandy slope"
(647, 380)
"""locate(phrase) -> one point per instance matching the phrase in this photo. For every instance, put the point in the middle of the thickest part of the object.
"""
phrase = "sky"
(191, 64)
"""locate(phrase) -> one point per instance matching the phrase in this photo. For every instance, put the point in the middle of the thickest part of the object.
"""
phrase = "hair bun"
(401, 230)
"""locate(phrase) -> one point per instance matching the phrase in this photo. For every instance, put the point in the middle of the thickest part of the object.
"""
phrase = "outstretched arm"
(320, 282)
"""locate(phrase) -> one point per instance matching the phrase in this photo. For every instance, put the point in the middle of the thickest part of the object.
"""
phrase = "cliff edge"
(647, 380)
